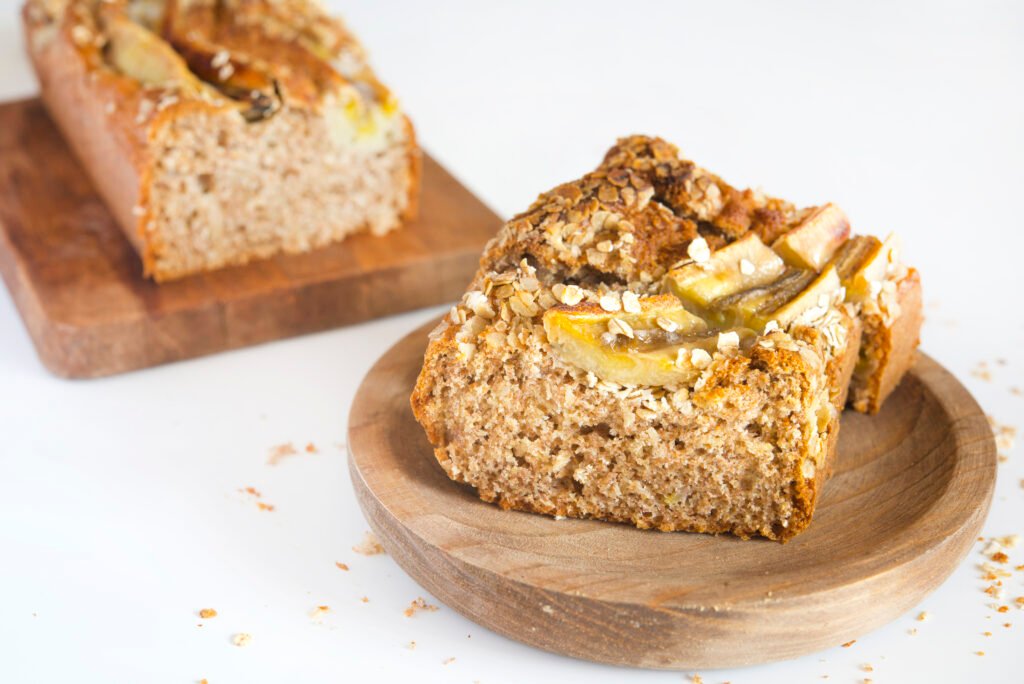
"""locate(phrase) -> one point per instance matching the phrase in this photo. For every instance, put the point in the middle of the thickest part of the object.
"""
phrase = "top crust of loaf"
(634, 216)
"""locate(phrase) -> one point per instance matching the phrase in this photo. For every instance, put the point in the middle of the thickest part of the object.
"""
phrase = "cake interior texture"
(225, 131)
(633, 351)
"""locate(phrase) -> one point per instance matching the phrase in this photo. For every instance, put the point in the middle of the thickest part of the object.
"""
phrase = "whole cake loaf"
(221, 131)
(650, 345)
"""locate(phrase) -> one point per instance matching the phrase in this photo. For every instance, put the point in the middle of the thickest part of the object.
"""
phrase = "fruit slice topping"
(865, 263)
(813, 242)
(659, 343)
(742, 265)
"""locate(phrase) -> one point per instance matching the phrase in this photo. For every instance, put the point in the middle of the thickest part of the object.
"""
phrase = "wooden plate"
(910, 492)
(78, 283)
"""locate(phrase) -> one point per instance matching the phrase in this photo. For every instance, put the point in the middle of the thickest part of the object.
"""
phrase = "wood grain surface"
(78, 283)
(911, 489)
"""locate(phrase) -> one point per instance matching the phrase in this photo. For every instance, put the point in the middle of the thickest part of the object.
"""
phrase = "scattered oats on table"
(341, 566)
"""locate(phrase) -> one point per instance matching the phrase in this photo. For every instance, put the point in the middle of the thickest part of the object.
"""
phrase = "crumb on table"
(369, 546)
(417, 605)
(207, 613)
(280, 452)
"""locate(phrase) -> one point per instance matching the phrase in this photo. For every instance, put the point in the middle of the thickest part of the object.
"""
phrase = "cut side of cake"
(224, 131)
(649, 345)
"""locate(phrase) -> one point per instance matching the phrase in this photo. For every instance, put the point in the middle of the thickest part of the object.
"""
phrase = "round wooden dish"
(911, 489)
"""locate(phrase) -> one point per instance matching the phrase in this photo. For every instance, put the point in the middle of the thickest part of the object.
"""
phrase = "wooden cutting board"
(911, 489)
(78, 283)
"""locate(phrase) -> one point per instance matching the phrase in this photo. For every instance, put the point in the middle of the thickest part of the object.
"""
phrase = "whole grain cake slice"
(222, 131)
(651, 345)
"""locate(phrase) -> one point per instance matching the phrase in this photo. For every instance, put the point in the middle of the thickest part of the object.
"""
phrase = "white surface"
(120, 514)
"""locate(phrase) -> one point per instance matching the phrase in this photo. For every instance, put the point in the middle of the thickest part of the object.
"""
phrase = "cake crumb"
(1019, 601)
(257, 494)
(1002, 609)
(207, 613)
(242, 639)
(982, 372)
(696, 679)
(923, 616)
(1004, 434)
(280, 452)
(448, 661)
(988, 634)
(548, 609)
(850, 643)
(419, 604)
(867, 667)
(1016, 391)
(341, 566)
(411, 645)
(320, 610)
(365, 599)
(369, 546)
(1000, 557)
(912, 631)
(311, 448)
(979, 653)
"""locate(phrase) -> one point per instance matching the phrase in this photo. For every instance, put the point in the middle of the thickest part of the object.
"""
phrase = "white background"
(120, 514)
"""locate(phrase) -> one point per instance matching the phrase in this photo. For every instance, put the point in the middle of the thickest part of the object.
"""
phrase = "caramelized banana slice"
(237, 76)
(751, 306)
(812, 243)
(810, 304)
(853, 254)
(140, 54)
(630, 348)
(742, 265)
(877, 262)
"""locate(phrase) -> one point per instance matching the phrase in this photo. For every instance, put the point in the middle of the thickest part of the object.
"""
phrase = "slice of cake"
(649, 345)
(222, 131)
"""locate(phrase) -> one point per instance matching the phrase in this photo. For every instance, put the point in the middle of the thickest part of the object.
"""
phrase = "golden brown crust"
(720, 210)
(890, 348)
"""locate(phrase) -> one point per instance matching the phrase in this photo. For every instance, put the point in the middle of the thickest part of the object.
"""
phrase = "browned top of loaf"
(634, 216)
(288, 48)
